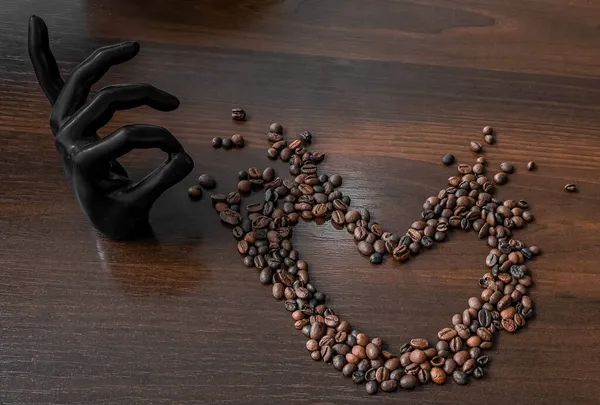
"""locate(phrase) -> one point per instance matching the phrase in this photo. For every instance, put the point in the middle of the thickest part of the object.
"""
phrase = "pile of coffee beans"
(467, 203)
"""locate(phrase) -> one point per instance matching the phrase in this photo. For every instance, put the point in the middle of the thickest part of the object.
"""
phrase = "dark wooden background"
(387, 87)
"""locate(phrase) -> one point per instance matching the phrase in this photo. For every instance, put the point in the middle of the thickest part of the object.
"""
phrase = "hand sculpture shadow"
(118, 207)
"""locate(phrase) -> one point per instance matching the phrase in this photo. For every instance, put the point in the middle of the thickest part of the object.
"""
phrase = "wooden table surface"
(387, 87)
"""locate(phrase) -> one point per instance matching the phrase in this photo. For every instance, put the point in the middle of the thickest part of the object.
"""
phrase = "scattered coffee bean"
(500, 178)
(227, 143)
(507, 167)
(238, 114)
(475, 146)
(276, 128)
(571, 188)
(487, 130)
(217, 142)
(195, 192)
(531, 166)
(237, 140)
(207, 182)
(448, 159)
(489, 139)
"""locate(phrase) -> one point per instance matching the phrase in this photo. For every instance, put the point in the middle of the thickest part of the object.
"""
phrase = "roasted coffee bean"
(509, 325)
(423, 376)
(409, 382)
(230, 217)
(233, 198)
(237, 140)
(450, 366)
(464, 169)
(460, 377)
(244, 186)
(438, 376)
(484, 317)
(397, 374)
(217, 142)
(207, 182)
(414, 248)
(456, 344)
(419, 343)
(506, 167)
(339, 361)
(500, 178)
(389, 386)
(478, 372)
(195, 192)
(266, 275)
(401, 253)
(376, 258)
(489, 139)
(364, 247)
(227, 143)
(446, 334)
(463, 331)
(475, 146)
(448, 159)
(371, 387)
(426, 242)
(469, 366)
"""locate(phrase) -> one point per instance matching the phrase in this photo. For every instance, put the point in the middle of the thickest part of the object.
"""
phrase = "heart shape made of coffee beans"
(264, 239)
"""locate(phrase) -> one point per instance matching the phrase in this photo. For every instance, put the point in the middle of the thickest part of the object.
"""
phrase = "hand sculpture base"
(118, 207)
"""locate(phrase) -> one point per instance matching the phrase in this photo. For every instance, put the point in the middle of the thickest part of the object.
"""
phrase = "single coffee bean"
(237, 140)
(448, 159)
(408, 382)
(487, 130)
(489, 139)
(463, 331)
(419, 343)
(456, 344)
(460, 377)
(469, 366)
(450, 366)
(371, 387)
(446, 334)
(227, 143)
(244, 186)
(423, 375)
(230, 217)
(571, 188)
(277, 128)
(358, 377)
(418, 356)
(217, 142)
(438, 376)
(389, 386)
(401, 253)
(475, 146)
(500, 178)
(478, 372)
(509, 325)
(339, 361)
(506, 167)
(195, 192)
(376, 258)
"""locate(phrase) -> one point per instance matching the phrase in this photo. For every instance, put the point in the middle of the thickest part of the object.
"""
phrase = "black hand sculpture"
(116, 206)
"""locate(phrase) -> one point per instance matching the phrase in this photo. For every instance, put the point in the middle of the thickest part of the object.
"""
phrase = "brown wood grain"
(387, 87)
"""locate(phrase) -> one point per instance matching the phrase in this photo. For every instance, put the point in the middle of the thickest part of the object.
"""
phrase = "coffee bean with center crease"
(401, 253)
(230, 217)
